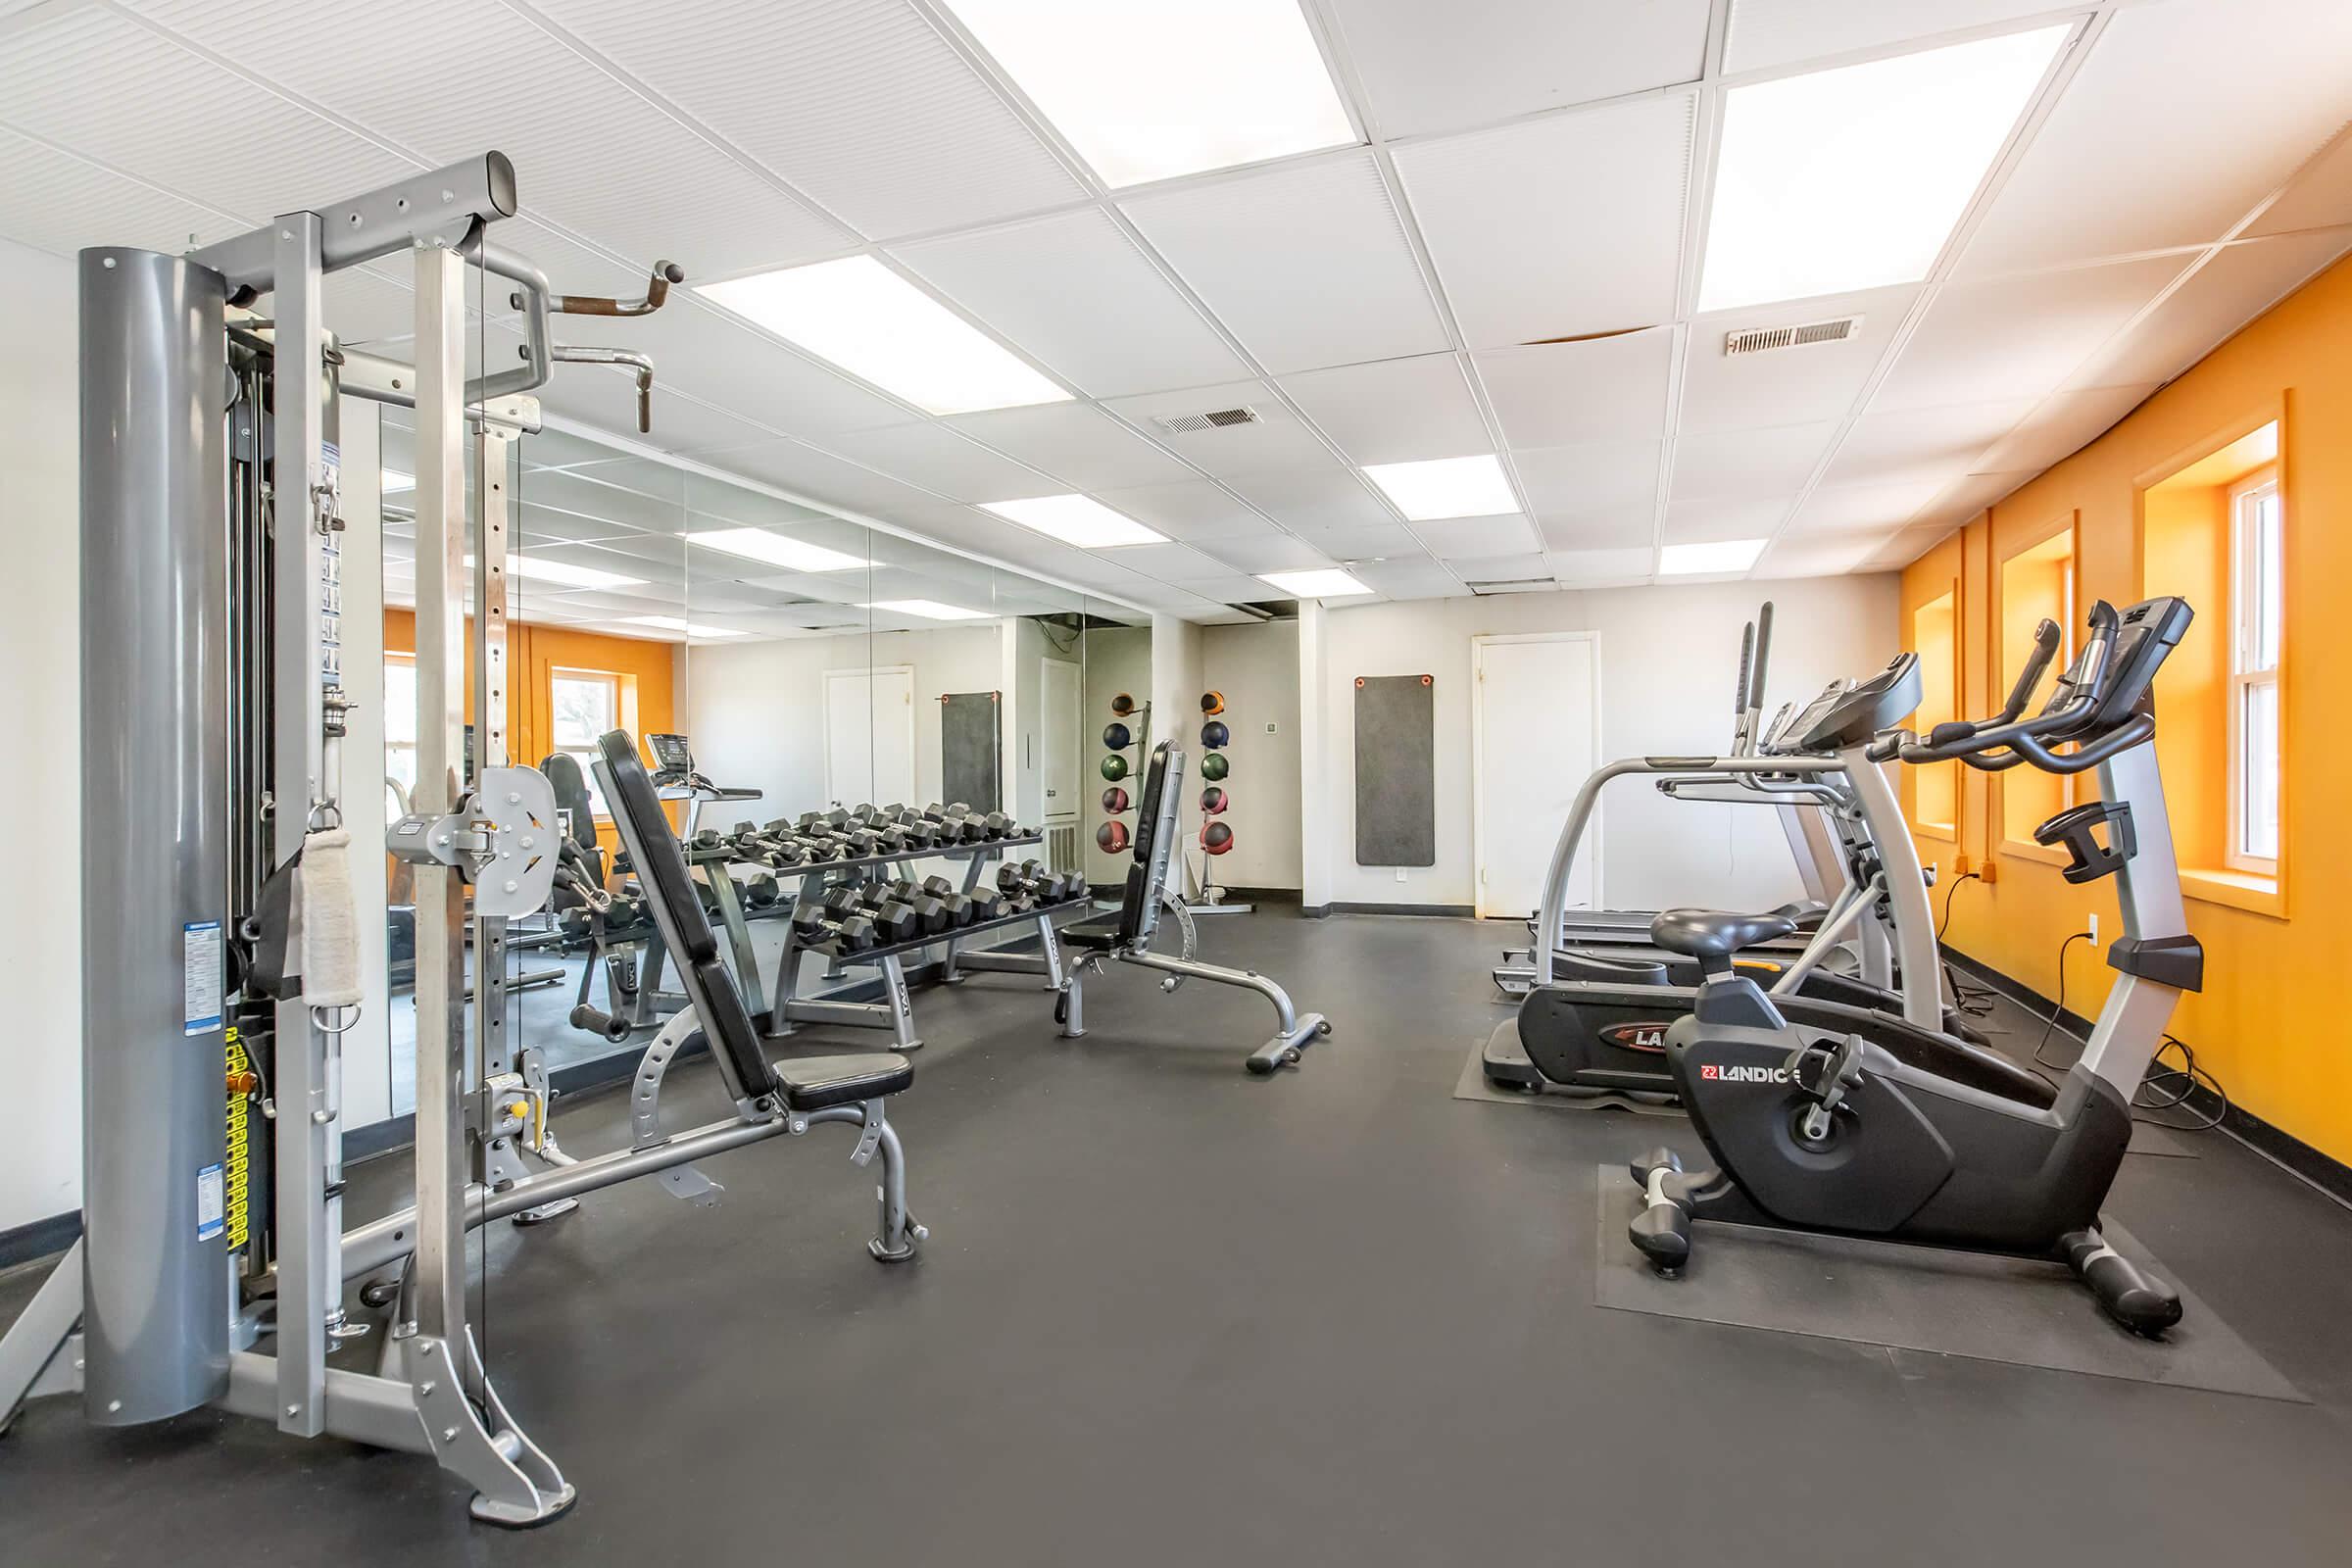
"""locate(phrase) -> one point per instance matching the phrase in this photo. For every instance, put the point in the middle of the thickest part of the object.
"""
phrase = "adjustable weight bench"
(797, 1094)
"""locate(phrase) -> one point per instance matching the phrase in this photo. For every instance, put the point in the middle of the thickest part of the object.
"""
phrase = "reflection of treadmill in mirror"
(676, 779)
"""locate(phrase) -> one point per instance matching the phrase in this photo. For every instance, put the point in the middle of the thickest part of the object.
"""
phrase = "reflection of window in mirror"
(399, 730)
(582, 704)
(2036, 583)
(1936, 785)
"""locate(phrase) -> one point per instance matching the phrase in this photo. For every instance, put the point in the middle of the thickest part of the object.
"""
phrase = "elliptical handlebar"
(2004, 740)
(1740, 732)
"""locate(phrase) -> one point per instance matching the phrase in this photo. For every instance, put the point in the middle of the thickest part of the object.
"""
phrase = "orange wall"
(2271, 1023)
(534, 653)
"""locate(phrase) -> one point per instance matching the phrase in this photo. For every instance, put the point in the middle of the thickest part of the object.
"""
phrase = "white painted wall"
(1317, 771)
(1256, 667)
(40, 598)
(757, 711)
(1669, 656)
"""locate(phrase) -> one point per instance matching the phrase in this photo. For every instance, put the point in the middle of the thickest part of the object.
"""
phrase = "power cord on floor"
(1968, 1000)
(2058, 1010)
(2163, 1088)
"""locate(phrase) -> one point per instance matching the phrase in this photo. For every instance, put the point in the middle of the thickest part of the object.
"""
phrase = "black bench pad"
(811, 1083)
(1095, 939)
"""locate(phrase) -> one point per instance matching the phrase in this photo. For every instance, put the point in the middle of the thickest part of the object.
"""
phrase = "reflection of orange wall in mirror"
(1935, 788)
(534, 653)
(2267, 1024)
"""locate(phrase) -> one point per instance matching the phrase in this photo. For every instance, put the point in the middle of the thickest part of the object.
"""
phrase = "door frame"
(1478, 753)
(869, 672)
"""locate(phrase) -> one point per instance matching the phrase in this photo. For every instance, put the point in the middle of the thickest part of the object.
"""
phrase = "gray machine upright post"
(154, 851)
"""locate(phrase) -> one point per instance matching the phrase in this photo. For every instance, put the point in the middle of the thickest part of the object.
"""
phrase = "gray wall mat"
(1921, 1298)
(970, 754)
(1396, 771)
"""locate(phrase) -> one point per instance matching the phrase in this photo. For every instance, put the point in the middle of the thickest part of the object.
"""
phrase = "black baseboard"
(1242, 894)
(40, 1238)
(2328, 1174)
(1446, 911)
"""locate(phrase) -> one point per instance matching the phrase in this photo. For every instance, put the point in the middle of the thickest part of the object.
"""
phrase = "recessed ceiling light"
(673, 623)
(562, 572)
(1329, 583)
(792, 555)
(1446, 487)
(395, 482)
(1149, 92)
(1726, 555)
(1852, 179)
(927, 609)
(1079, 521)
(873, 324)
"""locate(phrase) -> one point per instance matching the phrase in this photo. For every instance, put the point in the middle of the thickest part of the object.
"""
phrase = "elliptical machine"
(1822, 1118)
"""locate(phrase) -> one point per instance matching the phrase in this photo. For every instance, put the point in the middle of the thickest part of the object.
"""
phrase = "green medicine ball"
(1115, 768)
(1214, 765)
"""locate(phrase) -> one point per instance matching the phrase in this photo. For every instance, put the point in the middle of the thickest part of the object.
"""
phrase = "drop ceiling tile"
(1308, 265)
(1920, 444)
(2321, 196)
(1234, 588)
(1689, 522)
(1388, 541)
(1505, 568)
(2062, 426)
(1075, 293)
(1434, 68)
(1473, 538)
(1412, 579)
(1558, 394)
(1796, 557)
(1267, 552)
(1784, 386)
(1393, 411)
(2182, 118)
(1864, 508)
(1557, 227)
(601, 509)
(939, 460)
(1075, 442)
(1276, 443)
(1319, 496)
(1171, 563)
(733, 364)
(1594, 569)
(2021, 336)
(2226, 292)
(1606, 486)
(860, 103)
(821, 477)
(1774, 461)
(1764, 33)
(1968, 497)
(1193, 511)
(55, 203)
(1908, 545)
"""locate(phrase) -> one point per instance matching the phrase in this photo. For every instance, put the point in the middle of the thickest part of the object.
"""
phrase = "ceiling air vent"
(1213, 420)
(1756, 339)
(1512, 585)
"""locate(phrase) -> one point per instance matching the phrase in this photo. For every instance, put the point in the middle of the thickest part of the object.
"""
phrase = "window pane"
(2269, 575)
(400, 767)
(2258, 772)
(583, 710)
(587, 757)
(400, 702)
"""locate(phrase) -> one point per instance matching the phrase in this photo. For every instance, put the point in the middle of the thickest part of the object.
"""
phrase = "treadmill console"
(1850, 717)
(673, 758)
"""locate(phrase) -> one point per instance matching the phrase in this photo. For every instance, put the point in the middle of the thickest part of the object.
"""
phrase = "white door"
(869, 736)
(1057, 741)
(1536, 727)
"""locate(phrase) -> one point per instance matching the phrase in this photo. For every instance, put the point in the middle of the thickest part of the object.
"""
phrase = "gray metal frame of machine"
(141, 1316)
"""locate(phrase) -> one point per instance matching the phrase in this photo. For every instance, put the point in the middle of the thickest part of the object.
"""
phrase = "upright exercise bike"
(1824, 1118)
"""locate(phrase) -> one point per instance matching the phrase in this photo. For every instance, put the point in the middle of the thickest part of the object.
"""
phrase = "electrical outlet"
(2093, 928)
(1269, 726)
(1990, 872)
(1960, 865)
(1400, 873)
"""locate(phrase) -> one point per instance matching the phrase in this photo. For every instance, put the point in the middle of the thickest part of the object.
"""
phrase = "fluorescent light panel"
(1446, 487)
(775, 550)
(1149, 92)
(927, 609)
(873, 324)
(562, 573)
(673, 623)
(395, 482)
(1724, 555)
(1852, 179)
(1079, 521)
(1327, 583)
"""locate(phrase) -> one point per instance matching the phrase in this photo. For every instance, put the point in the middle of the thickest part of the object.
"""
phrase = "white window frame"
(393, 747)
(2245, 569)
(585, 755)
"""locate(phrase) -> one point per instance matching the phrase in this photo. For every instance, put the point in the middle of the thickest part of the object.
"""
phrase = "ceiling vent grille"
(1213, 420)
(1512, 585)
(1756, 339)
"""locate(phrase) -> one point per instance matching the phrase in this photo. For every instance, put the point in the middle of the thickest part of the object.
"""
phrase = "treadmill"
(676, 778)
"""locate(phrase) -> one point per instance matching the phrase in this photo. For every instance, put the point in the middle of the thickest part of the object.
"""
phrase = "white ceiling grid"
(1532, 170)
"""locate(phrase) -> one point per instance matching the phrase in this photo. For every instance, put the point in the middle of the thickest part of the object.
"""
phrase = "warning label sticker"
(200, 977)
(211, 1203)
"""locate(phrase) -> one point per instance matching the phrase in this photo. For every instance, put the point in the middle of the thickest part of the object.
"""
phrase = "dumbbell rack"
(896, 1011)
(651, 1001)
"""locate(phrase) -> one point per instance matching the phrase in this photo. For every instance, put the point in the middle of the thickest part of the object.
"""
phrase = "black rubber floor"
(1172, 1314)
